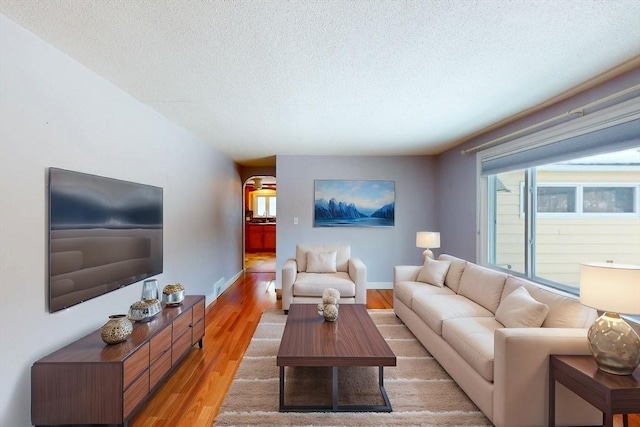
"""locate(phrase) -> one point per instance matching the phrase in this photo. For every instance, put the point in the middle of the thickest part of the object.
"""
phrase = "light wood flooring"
(192, 395)
(260, 262)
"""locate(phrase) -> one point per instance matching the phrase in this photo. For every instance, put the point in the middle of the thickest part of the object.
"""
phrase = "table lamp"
(612, 288)
(429, 240)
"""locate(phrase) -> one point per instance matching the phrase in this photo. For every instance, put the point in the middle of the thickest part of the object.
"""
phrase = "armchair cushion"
(321, 262)
(343, 253)
(313, 284)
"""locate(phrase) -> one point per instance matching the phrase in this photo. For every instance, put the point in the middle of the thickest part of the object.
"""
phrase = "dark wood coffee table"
(310, 341)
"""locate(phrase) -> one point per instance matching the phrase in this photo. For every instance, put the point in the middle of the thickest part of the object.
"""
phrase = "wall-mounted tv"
(104, 234)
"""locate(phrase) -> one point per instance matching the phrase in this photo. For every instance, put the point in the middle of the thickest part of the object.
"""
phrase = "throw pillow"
(434, 272)
(321, 262)
(520, 310)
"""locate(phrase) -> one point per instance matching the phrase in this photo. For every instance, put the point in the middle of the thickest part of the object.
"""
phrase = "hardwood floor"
(194, 393)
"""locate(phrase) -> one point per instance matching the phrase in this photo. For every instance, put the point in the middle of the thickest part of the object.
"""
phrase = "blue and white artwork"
(346, 203)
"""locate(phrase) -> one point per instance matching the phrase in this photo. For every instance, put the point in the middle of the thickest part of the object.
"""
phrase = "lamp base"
(614, 345)
(428, 253)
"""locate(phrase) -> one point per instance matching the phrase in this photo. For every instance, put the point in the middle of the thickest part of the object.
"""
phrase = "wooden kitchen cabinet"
(260, 237)
(90, 382)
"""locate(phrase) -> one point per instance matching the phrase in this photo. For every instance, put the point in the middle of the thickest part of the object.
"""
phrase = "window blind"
(613, 138)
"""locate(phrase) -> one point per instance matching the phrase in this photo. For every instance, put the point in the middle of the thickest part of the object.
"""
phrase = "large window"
(265, 206)
(545, 221)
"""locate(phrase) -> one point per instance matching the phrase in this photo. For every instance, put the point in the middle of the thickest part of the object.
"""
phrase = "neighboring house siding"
(564, 241)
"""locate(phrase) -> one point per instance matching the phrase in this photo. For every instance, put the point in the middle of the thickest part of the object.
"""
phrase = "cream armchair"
(317, 267)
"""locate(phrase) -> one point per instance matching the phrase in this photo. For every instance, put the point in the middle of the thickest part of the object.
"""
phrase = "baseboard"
(379, 285)
(221, 287)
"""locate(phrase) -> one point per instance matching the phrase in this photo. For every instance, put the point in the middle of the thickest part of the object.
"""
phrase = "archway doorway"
(260, 222)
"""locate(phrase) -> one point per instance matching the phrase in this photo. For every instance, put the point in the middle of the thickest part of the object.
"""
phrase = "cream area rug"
(420, 391)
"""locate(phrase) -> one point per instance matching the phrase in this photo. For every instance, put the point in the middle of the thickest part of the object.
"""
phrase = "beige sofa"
(493, 333)
(317, 267)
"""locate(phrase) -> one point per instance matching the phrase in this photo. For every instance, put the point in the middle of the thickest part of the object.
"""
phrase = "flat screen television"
(104, 234)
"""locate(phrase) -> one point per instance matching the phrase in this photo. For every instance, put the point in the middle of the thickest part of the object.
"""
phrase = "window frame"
(579, 211)
(623, 112)
(267, 198)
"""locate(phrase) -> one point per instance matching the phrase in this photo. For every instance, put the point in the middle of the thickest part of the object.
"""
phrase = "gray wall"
(56, 112)
(379, 248)
(456, 207)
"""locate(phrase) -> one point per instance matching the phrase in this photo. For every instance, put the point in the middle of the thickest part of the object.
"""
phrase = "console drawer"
(180, 347)
(134, 394)
(135, 364)
(160, 344)
(198, 312)
(182, 325)
(198, 331)
(159, 368)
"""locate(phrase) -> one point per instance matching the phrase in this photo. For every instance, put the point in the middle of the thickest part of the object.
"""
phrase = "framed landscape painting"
(347, 203)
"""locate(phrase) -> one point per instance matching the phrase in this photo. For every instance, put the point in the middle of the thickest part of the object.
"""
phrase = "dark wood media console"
(90, 382)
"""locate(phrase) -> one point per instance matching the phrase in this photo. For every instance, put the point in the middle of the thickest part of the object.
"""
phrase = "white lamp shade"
(428, 239)
(611, 287)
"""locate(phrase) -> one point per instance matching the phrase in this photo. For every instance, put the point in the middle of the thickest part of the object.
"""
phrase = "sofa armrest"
(521, 377)
(289, 273)
(358, 273)
(406, 273)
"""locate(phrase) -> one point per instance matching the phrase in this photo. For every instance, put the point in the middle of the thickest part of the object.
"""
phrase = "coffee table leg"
(387, 403)
(281, 388)
(552, 398)
(335, 387)
(335, 407)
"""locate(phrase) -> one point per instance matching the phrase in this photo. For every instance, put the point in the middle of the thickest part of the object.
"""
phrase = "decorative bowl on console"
(117, 329)
(145, 310)
(173, 294)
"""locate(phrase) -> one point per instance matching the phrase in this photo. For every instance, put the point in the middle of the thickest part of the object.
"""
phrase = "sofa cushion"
(405, 291)
(321, 262)
(343, 254)
(455, 271)
(482, 285)
(473, 339)
(565, 311)
(434, 309)
(313, 284)
(434, 272)
(520, 310)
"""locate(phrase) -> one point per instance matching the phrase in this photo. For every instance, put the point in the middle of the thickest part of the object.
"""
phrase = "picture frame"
(354, 203)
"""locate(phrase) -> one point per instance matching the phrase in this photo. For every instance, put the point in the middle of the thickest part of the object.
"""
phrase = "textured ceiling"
(351, 77)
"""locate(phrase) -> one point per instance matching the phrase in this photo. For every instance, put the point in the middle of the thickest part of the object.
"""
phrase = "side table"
(612, 394)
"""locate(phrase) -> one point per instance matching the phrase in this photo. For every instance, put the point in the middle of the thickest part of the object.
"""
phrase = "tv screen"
(104, 234)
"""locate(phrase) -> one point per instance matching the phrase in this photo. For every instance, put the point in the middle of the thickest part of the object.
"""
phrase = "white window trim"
(255, 204)
(579, 186)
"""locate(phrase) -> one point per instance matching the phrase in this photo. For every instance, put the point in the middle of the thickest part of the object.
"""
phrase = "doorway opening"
(260, 222)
